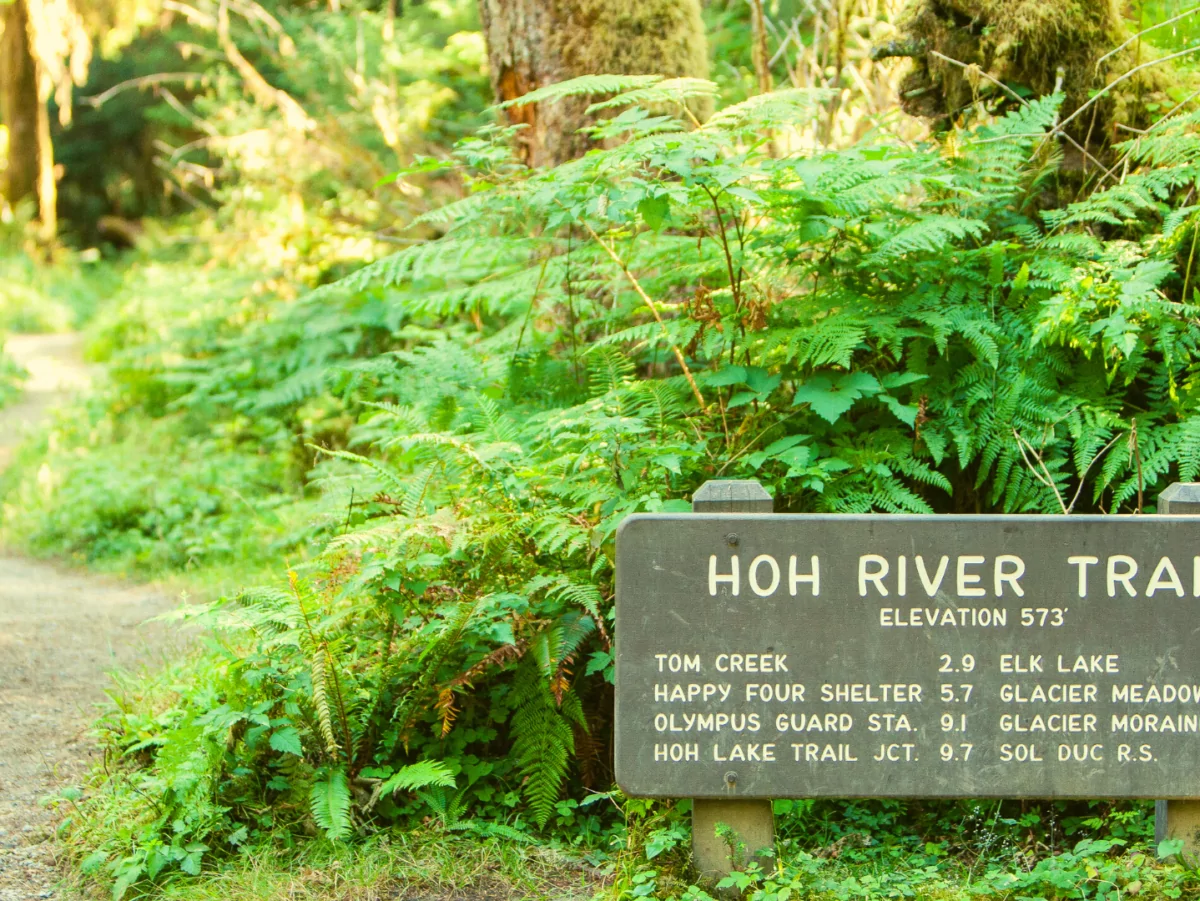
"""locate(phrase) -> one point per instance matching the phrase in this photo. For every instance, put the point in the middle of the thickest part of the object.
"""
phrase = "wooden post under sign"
(1179, 818)
(751, 820)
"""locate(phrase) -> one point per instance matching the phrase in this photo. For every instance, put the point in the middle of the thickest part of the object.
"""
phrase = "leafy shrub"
(874, 329)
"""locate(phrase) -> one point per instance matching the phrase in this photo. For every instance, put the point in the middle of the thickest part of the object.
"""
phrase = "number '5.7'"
(950, 696)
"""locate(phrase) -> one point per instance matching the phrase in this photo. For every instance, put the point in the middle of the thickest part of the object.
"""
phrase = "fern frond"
(330, 803)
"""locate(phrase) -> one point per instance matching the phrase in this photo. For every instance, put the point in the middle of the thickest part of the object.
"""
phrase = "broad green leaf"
(830, 398)
(654, 211)
(287, 741)
(906, 414)
(669, 462)
(782, 444)
(730, 375)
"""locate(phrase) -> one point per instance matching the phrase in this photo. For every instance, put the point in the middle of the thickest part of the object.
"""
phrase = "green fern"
(330, 803)
(543, 742)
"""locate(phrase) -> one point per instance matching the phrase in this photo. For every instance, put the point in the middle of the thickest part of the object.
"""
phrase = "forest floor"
(61, 632)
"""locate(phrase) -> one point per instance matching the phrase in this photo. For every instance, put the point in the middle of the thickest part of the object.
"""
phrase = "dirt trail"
(60, 632)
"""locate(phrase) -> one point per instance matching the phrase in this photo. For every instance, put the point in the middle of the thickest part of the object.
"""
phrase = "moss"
(1031, 44)
(634, 37)
(533, 43)
(630, 37)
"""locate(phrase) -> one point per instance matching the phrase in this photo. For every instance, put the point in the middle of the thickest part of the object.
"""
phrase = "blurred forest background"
(400, 306)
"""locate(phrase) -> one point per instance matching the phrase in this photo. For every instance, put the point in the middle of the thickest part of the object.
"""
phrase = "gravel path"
(60, 633)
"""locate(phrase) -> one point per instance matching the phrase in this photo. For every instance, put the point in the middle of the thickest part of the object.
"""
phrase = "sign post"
(751, 823)
(1180, 818)
(765, 656)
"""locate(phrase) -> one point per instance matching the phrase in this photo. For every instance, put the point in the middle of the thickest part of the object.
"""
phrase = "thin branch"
(1136, 453)
(532, 305)
(266, 94)
(1002, 86)
(1108, 87)
(175, 104)
(1182, 15)
(1046, 479)
(1187, 276)
(641, 292)
(749, 444)
(1083, 475)
(141, 82)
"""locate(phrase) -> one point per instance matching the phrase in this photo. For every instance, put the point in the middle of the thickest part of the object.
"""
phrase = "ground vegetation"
(387, 391)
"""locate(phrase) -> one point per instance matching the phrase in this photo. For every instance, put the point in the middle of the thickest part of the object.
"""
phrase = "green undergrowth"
(437, 450)
(42, 291)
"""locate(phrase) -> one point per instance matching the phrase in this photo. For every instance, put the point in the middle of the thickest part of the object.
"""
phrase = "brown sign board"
(774, 656)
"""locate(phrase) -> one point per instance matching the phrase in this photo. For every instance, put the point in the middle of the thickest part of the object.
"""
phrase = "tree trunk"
(19, 104)
(47, 184)
(534, 43)
(962, 48)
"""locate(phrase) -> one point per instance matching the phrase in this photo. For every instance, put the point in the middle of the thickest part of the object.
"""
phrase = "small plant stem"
(1116, 81)
(1137, 456)
(571, 306)
(761, 53)
(734, 282)
(532, 304)
(1138, 36)
(1083, 475)
(1044, 475)
(641, 292)
(1187, 275)
(1011, 93)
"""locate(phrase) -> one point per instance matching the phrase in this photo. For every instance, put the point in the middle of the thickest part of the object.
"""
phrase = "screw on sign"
(762, 656)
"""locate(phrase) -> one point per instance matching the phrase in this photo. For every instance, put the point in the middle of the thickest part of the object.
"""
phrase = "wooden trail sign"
(766, 656)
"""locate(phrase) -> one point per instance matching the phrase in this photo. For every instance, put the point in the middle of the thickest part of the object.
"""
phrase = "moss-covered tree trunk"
(961, 48)
(533, 43)
(19, 104)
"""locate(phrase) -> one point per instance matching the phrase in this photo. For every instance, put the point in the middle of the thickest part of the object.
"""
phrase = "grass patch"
(423, 865)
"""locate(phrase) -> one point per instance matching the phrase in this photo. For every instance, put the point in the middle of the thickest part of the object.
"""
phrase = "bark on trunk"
(534, 43)
(47, 183)
(19, 104)
(1035, 44)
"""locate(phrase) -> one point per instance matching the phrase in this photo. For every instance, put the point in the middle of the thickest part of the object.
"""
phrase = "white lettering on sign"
(1059, 693)
(707, 722)
(677, 753)
(1090, 663)
(1165, 577)
(1156, 694)
(1121, 570)
(863, 693)
(919, 617)
(731, 578)
(812, 578)
(1083, 561)
(678, 663)
(1011, 577)
(889, 722)
(691, 692)
(759, 752)
(815, 753)
(814, 722)
(1054, 722)
(751, 663)
(789, 692)
(764, 575)
(1007, 571)
(1015, 663)
(772, 567)
(1153, 722)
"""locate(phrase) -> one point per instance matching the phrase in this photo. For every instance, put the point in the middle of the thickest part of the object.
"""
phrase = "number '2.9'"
(965, 664)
